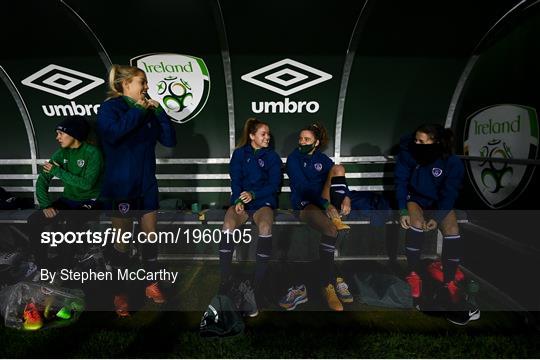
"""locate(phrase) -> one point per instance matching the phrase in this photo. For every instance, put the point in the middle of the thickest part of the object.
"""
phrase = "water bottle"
(472, 291)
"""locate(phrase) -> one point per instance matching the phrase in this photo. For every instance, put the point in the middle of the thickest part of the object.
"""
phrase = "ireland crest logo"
(180, 83)
(123, 208)
(501, 132)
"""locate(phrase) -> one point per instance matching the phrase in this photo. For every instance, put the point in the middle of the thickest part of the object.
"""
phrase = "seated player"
(428, 178)
(255, 171)
(319, 194)
(79, 166)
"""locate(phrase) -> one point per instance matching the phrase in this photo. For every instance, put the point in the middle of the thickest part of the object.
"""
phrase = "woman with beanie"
(79, 166)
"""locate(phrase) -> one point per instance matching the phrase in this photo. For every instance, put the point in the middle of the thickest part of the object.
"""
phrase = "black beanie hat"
(75, 126)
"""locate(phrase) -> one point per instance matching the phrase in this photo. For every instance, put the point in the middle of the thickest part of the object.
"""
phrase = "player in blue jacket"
(255, 171)
(428, 178)
(129, 126)
(319, 194)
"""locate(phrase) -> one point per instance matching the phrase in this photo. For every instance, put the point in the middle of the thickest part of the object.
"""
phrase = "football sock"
(264, 253)
(338, 191)
(451, 256)
(413, 246)
(326, 259)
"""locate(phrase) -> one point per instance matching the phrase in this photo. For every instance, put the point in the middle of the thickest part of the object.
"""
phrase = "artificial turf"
(277, 335)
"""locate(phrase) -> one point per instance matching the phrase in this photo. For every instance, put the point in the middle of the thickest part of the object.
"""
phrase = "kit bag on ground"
(385, 290)
(221, 319)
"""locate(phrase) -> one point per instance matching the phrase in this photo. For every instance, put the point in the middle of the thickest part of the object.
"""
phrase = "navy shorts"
(430, 207)
(424, 203)
(302, 205)
(67, 204)
(257, 204)
(252, 210)
(132, 207)
(370, 204)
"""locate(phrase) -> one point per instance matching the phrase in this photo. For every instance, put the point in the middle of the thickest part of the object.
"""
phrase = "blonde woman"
(129, 126)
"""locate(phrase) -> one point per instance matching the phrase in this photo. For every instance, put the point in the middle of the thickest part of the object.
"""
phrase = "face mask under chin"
(306, 149)
(425, 154)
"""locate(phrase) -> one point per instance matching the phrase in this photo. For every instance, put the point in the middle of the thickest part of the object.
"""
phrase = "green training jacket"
(79, 169)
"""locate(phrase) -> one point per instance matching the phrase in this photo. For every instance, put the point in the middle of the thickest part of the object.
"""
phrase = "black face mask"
(425, 154)
(306, 149)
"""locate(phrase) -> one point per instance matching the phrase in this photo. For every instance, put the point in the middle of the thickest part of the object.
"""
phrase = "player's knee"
(228, 225)
(417, 223)
(331, 231)
(265, 228)
(337, 170)
(451, 229)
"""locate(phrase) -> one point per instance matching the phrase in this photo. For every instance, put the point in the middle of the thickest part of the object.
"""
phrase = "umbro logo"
(286, 77)
(62, 81)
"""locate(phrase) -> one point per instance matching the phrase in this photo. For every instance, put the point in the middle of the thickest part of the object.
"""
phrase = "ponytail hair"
(441, 135)
(250, 127)
(319, 132)
(117, 75)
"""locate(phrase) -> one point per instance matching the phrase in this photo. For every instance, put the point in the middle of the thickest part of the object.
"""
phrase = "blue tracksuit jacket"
(307, 175)
(436, 185)
(128, 135)
(256, 171)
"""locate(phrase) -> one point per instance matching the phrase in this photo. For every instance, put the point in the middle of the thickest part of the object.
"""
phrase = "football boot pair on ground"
(448, 299)
(335, 296)
(152, 291)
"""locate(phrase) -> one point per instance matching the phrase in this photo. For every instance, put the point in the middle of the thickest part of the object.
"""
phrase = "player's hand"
(50, 212)
(144, 103)
(345, 206)
(152, 103)
(47, 167)
(239, 208)
(405, 221)
(246, 197)
(430, 225)
(332, 212)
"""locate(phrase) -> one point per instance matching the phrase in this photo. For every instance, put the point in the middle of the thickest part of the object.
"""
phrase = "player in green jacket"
(79, 166)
